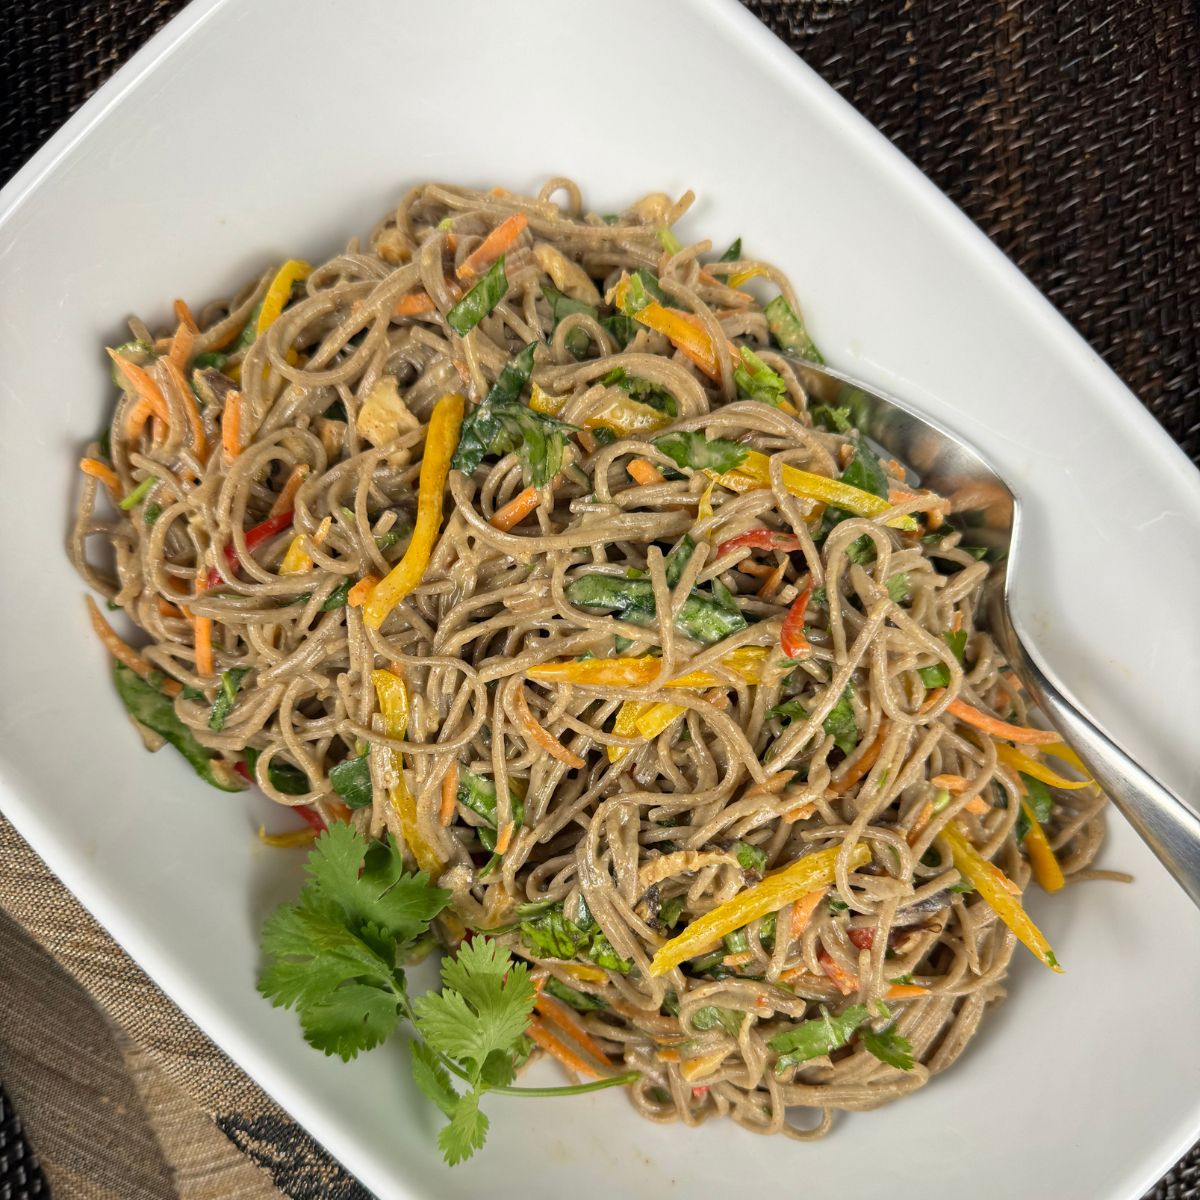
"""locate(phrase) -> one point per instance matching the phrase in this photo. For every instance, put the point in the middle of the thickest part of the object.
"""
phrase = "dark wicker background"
(1068, 130)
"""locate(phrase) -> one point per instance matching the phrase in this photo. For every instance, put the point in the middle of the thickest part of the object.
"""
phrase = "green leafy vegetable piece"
(690, 448)
(351, 779)
(156, 711)
(788, 330)
(580, 1001)
(502, 425)
(478, 793)
(231, 681)
(812, 1039)
(670, 911)
(734, 251)
(338, 597)
(898, 587)
(938, 675)
(890, 1047)
(480, 300)
(757, 381)
(137, 351)
(712, 1017)
(550, 934)
(836, 420)
(151, 513)
(642, 390)
(841, 725)
(789, 710)
(632, 600)
(957, 641)
(750, 857)
(668, 241)
(138, 494)
(1039, 799)
(283, 776)
(563, 306)
(679, 557)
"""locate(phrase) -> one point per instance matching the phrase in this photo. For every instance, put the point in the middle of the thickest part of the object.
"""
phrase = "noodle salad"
(507, 552)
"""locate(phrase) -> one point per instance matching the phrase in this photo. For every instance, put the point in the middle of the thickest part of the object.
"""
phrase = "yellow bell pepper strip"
(754, 471)
(296, 561)
(293, 271)
(441, 440)
(1041, 854)
(1010, 756)
(658, 718)
(746, 661)
(769, 895)
(543, 402)
(681, 329)
(704, 509)
(993, 885)
(1061, 750)
(285, 841)
(392, 695)
(626, 725)
(625, 416)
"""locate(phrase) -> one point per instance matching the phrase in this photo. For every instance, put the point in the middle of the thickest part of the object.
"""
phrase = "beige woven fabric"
(122, 1097)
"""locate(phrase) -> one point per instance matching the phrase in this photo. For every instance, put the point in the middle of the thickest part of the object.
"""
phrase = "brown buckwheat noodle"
(661, 827)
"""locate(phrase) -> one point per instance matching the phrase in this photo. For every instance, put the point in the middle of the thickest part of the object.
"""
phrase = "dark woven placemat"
(1070, 132)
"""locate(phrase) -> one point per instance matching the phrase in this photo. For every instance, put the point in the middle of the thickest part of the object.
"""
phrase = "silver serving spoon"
(984, 503)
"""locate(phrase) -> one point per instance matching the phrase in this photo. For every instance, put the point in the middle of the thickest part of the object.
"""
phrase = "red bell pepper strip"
(760, 539)
(255, 536)
(791, 635)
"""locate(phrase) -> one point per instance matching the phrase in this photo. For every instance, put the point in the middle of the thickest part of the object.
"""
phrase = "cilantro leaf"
(550, 934)
(466, 1132)
(890, 1047)
(1039, 800)
(938, 675)
(836, 420)
(690, 448)
(432, 1078)
(789, 710)
(820, 1036)
(898, 587)
(841, 725)
(642, 390)
(712, 1017)
(231, 681)
(351, 779)
(750, 857)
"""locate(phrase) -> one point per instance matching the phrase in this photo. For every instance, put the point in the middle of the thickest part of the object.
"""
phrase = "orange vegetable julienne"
(516, 510)
(541, 736)
(204, 648)
(866, 760)
(356, 597)
(847, 981)
(103, 473)
(181, 345)
(124, 653)
(571, 1059)
(286, 500)
(1001, 729)
(231, 425)
(498, 242)
(195, 424)
(803, 909)
(645, 473)
(183, 314)
(1042, 859)
(414, 304)
(150, 400)
(449, 794)
(559, 1014)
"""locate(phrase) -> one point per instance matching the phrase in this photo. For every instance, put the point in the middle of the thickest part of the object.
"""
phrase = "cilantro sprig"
(336, 957)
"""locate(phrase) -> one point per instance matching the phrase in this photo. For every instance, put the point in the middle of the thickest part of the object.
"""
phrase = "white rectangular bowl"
(255, 129)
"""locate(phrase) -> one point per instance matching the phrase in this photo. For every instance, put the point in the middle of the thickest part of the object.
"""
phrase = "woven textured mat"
(1069, 131)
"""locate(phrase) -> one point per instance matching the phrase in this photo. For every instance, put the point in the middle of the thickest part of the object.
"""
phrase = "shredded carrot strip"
(978, 806)
(357, 595)
(952, 783)
(125, 653)
(150, 400)
(770, 585)
(667, 1055)
(737, 960)
(231, 425)
(847, 981)
(195, 424)
(183, 314)
(559, 1049)
(167, 609)
(516, 510)
(559, 1014)
(504, 838)
(800, 813)
(415, 304)
(1001, 729)
(286, 500)
(866, 760)
(181, 345)
(498, 242)
(923, 819)
(449, 794)
(645, 472)
(104, 473)
(803, 909)
(542, 736)
(204, 648)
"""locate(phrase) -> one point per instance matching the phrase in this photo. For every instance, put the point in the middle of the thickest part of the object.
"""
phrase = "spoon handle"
(1168, 826)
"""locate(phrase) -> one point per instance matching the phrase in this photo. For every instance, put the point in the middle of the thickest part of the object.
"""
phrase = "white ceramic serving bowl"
(251, 130)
